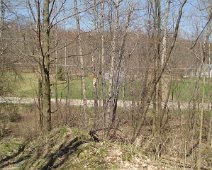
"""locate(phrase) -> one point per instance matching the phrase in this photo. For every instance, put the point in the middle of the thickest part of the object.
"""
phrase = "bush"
(8, 113)
(61, 74)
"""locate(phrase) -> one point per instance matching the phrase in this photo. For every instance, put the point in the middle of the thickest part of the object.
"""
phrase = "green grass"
(26, 85)
(75, 89)
(184, 90)
(9, 146)
(188, 89)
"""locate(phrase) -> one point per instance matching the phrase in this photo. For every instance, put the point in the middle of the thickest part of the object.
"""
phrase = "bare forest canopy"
(136, 50)
(20, 30)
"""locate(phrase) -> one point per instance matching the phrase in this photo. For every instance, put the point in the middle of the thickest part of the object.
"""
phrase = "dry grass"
(27, 126)
(178, 141)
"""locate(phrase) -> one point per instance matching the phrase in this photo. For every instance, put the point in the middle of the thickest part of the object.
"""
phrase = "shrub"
(60, 74)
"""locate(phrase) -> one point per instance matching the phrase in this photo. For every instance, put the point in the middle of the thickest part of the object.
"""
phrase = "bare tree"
(119, 65)
(81, 61)
(112, 65)
(153, 84)
(102, 25)
(95, 64)
(204, 59)
(42, 56)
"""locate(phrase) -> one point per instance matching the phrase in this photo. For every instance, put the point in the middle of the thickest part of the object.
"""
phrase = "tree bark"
(46, 93)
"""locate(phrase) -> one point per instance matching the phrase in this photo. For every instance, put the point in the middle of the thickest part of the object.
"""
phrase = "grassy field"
(189, 89)
(25, 85)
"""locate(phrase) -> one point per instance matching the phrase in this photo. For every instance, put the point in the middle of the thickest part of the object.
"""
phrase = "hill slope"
(65, 148)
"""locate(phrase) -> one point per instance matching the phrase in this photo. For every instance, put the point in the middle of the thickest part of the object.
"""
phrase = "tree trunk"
(81, 62)
(1, 17)
(157, 100)
(112, 65)
(120, 58)
(205, 58)
(67, 75)
(102, 75)
(199, 159)
(46, 94)
(40, 103)
(56, 69)
(151, 85)
(95, 70)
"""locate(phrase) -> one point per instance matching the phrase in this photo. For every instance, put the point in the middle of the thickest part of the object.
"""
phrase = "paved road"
(90, 103)
(19, 100)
